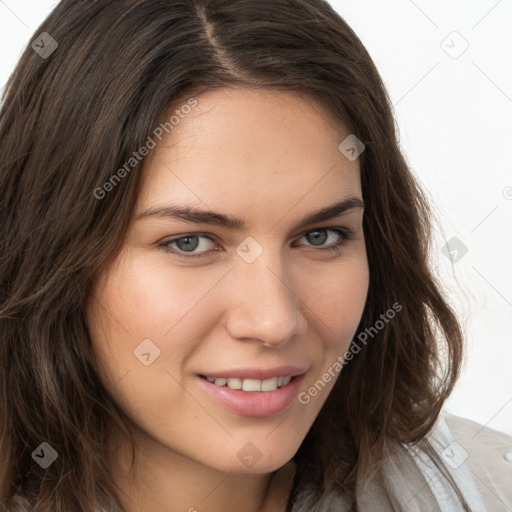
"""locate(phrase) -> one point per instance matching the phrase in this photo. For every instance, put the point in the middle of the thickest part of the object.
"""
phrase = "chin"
(261, 457)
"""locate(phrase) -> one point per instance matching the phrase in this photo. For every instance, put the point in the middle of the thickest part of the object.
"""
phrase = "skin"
(269, 158)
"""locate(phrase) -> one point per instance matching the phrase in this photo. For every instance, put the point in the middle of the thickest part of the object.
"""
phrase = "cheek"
(136, 302)
(338, 299)
(148, 298)
(139, 300)
(340, 308)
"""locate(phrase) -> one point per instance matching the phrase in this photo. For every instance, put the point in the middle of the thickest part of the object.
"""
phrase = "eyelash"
(343, 233)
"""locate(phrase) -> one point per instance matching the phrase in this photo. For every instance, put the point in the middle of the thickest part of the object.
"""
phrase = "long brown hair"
(69, 120)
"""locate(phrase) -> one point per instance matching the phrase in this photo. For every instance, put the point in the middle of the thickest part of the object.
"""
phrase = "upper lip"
(256, 373)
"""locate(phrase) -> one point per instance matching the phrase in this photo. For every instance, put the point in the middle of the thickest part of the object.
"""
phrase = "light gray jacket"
(478, 458)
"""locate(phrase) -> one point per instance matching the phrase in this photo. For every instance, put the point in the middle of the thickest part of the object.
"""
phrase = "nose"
(263, 305)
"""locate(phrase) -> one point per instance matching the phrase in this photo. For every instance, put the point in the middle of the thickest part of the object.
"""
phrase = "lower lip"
(254, 403)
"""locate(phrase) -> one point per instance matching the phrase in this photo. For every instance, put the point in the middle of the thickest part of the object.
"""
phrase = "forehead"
(250, 149)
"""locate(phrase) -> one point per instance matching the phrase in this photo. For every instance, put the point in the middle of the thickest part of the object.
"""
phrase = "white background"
(454, 114)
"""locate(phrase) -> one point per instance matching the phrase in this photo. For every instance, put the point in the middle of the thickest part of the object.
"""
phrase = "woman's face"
(191, 298)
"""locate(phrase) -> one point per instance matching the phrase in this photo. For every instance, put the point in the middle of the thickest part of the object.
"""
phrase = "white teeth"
(235, 383)
(269, 384)
(251, 384)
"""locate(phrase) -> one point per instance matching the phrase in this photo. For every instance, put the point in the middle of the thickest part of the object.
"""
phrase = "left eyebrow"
(197, 216)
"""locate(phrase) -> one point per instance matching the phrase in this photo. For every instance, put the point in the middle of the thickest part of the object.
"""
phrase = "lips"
(254, 392)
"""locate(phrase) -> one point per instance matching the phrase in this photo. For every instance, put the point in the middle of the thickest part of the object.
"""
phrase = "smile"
(253, 392)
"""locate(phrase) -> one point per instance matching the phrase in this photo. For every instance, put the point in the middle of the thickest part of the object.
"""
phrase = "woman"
(215, 291)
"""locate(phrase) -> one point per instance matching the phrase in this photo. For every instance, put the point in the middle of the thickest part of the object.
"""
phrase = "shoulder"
(478, 457)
